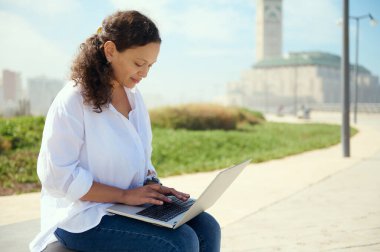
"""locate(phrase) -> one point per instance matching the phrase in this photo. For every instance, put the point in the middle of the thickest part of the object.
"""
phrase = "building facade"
(41, 92)
(1, 98)
(268, 29)
(12, 88)
(12, 96)
(308, 79)
(294, 80)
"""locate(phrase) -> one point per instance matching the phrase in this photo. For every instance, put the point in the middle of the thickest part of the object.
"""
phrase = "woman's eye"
(139, 65)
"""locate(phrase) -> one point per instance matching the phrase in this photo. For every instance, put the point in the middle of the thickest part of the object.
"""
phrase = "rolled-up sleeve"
(58, 167)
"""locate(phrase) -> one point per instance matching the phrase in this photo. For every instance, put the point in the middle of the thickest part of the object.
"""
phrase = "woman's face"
(131, 65)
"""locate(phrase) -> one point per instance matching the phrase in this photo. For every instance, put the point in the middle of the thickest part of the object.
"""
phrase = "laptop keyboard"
(167, 211)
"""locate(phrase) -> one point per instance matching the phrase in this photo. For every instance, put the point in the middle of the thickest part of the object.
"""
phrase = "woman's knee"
(208, 232)
(185, 239)
(212, 221)
(208, 223)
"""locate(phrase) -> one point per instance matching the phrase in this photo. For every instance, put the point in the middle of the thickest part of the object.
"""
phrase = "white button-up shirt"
(80, 146)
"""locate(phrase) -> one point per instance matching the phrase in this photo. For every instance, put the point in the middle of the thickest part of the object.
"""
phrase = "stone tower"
(268, 29)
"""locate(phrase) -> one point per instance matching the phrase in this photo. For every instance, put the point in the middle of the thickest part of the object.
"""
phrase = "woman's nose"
(144, 72)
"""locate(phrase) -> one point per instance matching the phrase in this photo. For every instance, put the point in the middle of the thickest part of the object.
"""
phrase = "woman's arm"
(152, 194)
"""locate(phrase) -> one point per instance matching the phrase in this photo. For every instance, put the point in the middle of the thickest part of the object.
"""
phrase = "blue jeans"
(118, 233)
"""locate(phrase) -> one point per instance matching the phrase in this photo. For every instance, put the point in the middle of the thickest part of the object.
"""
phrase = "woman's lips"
(135, 80)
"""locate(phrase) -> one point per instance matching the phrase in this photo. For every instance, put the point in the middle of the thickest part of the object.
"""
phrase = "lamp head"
(372, 21)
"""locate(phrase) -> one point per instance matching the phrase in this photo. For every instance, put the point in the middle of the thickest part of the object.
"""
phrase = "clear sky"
(206, 43)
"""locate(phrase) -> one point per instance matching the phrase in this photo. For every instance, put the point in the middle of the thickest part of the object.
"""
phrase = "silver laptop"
(174, 214)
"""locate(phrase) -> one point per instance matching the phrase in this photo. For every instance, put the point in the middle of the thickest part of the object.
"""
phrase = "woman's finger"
(168, 190)
(154, 201)
(156, 187)
(159, 196)
(179, 195)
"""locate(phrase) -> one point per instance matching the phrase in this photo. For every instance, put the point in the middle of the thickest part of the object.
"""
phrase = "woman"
(96, 150)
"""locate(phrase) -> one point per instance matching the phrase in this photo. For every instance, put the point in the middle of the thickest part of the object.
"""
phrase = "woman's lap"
(117, 233)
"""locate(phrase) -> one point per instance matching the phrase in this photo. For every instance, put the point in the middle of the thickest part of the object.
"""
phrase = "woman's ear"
(109, 50)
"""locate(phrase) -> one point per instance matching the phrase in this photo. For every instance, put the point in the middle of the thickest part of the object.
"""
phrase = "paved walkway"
(338, 213)
(315, 201)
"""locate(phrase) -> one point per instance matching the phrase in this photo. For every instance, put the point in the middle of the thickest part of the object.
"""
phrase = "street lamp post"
(373, 22)
(295, 94)
(345, 130)
(266, 98)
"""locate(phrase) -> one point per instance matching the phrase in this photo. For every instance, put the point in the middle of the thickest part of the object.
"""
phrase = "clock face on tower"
(272, 12)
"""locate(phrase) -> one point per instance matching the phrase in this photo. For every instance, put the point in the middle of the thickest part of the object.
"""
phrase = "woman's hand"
(171, 191)
(153, 194)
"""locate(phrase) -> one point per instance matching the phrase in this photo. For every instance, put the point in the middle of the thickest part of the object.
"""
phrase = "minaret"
(268, 29)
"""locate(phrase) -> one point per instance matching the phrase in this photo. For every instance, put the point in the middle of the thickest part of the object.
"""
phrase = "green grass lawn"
(182, 151)
(174, 151)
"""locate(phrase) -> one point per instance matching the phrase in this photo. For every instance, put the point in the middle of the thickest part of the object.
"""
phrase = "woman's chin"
(129, 84)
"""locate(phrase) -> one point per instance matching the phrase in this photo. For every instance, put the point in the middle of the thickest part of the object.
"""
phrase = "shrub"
(250, 117)
(202, 117)
(20, 132)
(195, 117)
(5, 145)
(18, 167)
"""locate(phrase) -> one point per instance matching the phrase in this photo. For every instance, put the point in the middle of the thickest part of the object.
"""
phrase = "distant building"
(305, 78)
(41, 92)
(12, 96)
(268, 29)
(12, 88)
(1, 97)
(296, 79)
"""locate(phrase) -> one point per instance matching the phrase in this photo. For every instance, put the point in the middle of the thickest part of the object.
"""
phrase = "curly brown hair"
(90, 68)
